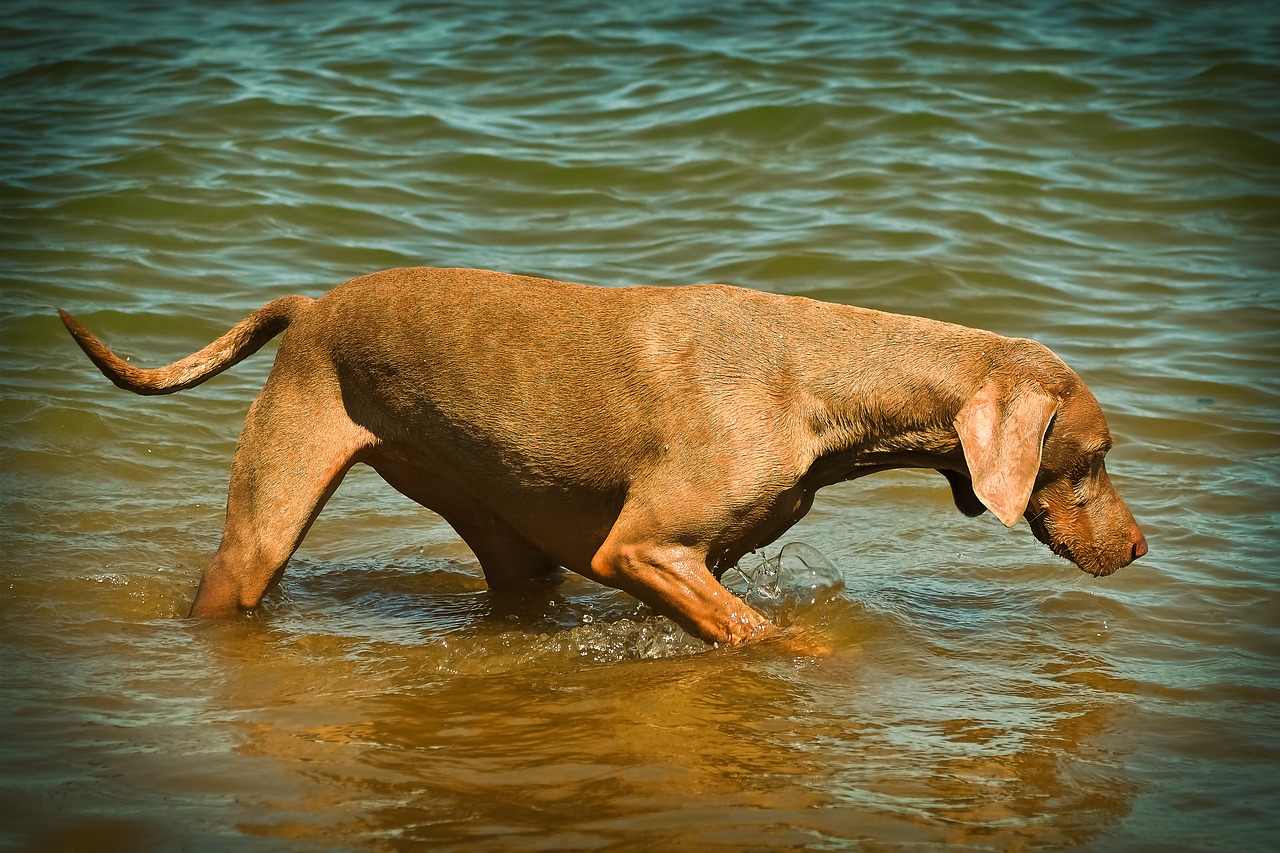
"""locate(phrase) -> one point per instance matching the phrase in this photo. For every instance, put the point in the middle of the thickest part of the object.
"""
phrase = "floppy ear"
(1002, 432)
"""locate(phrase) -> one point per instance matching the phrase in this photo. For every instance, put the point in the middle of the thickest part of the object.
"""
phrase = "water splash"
(789, 584)
(790, 587)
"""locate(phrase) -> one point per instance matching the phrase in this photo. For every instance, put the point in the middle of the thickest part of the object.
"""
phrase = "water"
(1104, 177)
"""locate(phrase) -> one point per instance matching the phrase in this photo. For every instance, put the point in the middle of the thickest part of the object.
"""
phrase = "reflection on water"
(408, 703)
(1101, 177)
(507, 732)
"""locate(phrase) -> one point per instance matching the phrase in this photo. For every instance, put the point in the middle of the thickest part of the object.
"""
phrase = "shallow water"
(1104, 178)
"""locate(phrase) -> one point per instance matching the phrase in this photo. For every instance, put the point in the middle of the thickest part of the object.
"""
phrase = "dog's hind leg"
(293, 452)
(507, 558)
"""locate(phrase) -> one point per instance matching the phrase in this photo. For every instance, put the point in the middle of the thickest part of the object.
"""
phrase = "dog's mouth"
(1081, 555)
(1094, 567)
(1087, 564)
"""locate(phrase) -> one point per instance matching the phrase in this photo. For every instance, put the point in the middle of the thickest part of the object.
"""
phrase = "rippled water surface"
(1103, 177)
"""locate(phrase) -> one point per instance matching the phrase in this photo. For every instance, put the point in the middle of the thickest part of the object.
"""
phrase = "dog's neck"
(891, 400)
(857, 435)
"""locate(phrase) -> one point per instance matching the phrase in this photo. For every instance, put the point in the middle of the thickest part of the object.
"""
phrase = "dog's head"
(1034, 446)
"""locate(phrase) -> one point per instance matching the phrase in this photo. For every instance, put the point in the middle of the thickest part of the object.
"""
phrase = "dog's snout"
(1139, 545)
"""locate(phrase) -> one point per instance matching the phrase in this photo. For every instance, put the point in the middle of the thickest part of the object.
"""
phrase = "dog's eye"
(1078, 469)
(1087, 469)
(1098, 450)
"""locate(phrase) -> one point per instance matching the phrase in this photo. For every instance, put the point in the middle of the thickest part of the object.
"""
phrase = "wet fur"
(644, 437)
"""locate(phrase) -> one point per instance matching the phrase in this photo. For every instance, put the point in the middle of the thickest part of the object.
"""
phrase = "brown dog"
(645, 437)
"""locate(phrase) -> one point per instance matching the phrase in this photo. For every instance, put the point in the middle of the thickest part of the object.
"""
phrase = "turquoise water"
(1104, 178)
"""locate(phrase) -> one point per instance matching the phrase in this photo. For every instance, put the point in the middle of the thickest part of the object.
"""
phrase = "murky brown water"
(1104, 178)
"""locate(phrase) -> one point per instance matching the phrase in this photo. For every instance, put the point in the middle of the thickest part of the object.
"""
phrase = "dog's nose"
(1139, 544)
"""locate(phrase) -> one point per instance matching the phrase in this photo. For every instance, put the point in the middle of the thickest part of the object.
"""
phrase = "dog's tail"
(244, 339)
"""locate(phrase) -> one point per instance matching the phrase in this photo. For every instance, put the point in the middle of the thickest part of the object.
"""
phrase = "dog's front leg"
(675, 581)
